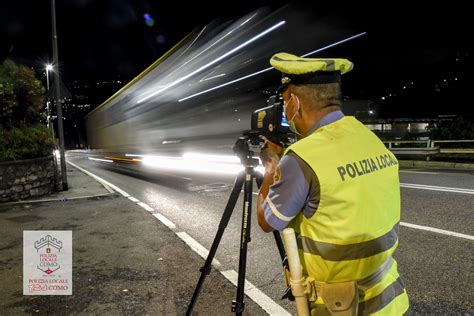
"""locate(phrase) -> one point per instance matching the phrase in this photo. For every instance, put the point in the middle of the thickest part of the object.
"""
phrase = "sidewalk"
(124, 260)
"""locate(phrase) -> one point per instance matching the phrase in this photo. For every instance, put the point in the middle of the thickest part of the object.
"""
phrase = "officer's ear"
(297, 102)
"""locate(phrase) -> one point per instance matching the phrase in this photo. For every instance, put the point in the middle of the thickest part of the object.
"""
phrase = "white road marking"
(146, 206)
(250, 290)
(269, 305)
(165, 221)
(100, 180)
(437, 230)
(198, 248)
(436, 188)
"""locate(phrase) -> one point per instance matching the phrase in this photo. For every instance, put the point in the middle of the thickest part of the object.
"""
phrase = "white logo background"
(47, 262)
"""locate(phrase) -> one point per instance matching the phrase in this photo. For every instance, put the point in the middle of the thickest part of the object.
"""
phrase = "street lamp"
(58, 96)
(49, 68)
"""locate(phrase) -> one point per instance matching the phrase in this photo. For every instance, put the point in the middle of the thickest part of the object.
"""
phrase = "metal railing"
(469, 150)
(428, 147)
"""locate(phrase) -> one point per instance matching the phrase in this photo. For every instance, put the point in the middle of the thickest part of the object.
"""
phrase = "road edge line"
(436, 188)
(265, 302)
(437, 230)
(198, 248)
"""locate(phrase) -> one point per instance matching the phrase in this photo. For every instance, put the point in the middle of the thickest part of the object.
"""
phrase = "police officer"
(338, 188)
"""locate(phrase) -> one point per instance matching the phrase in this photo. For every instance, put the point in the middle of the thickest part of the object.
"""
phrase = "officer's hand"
(275, 148)
(270, 155)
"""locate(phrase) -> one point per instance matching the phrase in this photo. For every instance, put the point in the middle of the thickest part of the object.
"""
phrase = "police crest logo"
(277, 175)
(47, 262)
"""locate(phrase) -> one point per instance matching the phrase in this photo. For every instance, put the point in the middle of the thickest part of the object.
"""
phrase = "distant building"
(368, 112)
(80, 98)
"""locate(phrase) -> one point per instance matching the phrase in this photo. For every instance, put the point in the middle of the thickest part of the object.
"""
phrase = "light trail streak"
(214, 61)
(213, 77)
(270, 68)
(98, 159)
(334, 44)
(192, 43)
(213, 44)
(224, 84)
(196, 162)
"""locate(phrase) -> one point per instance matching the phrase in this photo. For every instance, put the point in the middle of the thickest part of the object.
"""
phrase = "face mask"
(291, 123)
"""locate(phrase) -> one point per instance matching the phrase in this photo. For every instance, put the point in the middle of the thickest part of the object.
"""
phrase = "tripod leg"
(279, 242)
(238, 305)
(206, 269)
(258, 179)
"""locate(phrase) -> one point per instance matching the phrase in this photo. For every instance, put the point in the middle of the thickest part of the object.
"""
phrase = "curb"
(92, 176)
(60, 199)
(63, 198)
(439, 164)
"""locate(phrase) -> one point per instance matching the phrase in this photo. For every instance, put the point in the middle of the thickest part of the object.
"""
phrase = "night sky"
(110, 40)
(104, 39)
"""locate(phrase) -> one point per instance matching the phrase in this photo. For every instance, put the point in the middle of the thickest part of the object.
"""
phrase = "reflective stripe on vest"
(335, 252)
(369, 281)
(378, 302)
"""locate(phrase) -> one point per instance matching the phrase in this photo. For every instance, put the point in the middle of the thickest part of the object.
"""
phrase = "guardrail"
(428, 147)
(454, 150)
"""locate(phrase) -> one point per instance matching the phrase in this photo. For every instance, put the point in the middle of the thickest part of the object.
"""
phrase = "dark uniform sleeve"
(296, 189)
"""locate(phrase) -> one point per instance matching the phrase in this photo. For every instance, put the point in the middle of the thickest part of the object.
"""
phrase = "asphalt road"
(436, 266)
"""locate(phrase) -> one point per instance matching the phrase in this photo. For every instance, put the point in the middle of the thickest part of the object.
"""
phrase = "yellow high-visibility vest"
(354, 231)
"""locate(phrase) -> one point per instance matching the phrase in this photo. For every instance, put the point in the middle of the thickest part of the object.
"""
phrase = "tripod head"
(242, 148)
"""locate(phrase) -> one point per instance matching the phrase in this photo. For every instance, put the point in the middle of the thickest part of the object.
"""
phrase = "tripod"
(245, 179)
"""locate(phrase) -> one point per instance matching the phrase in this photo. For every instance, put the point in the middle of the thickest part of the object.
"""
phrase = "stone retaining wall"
(22, 179)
